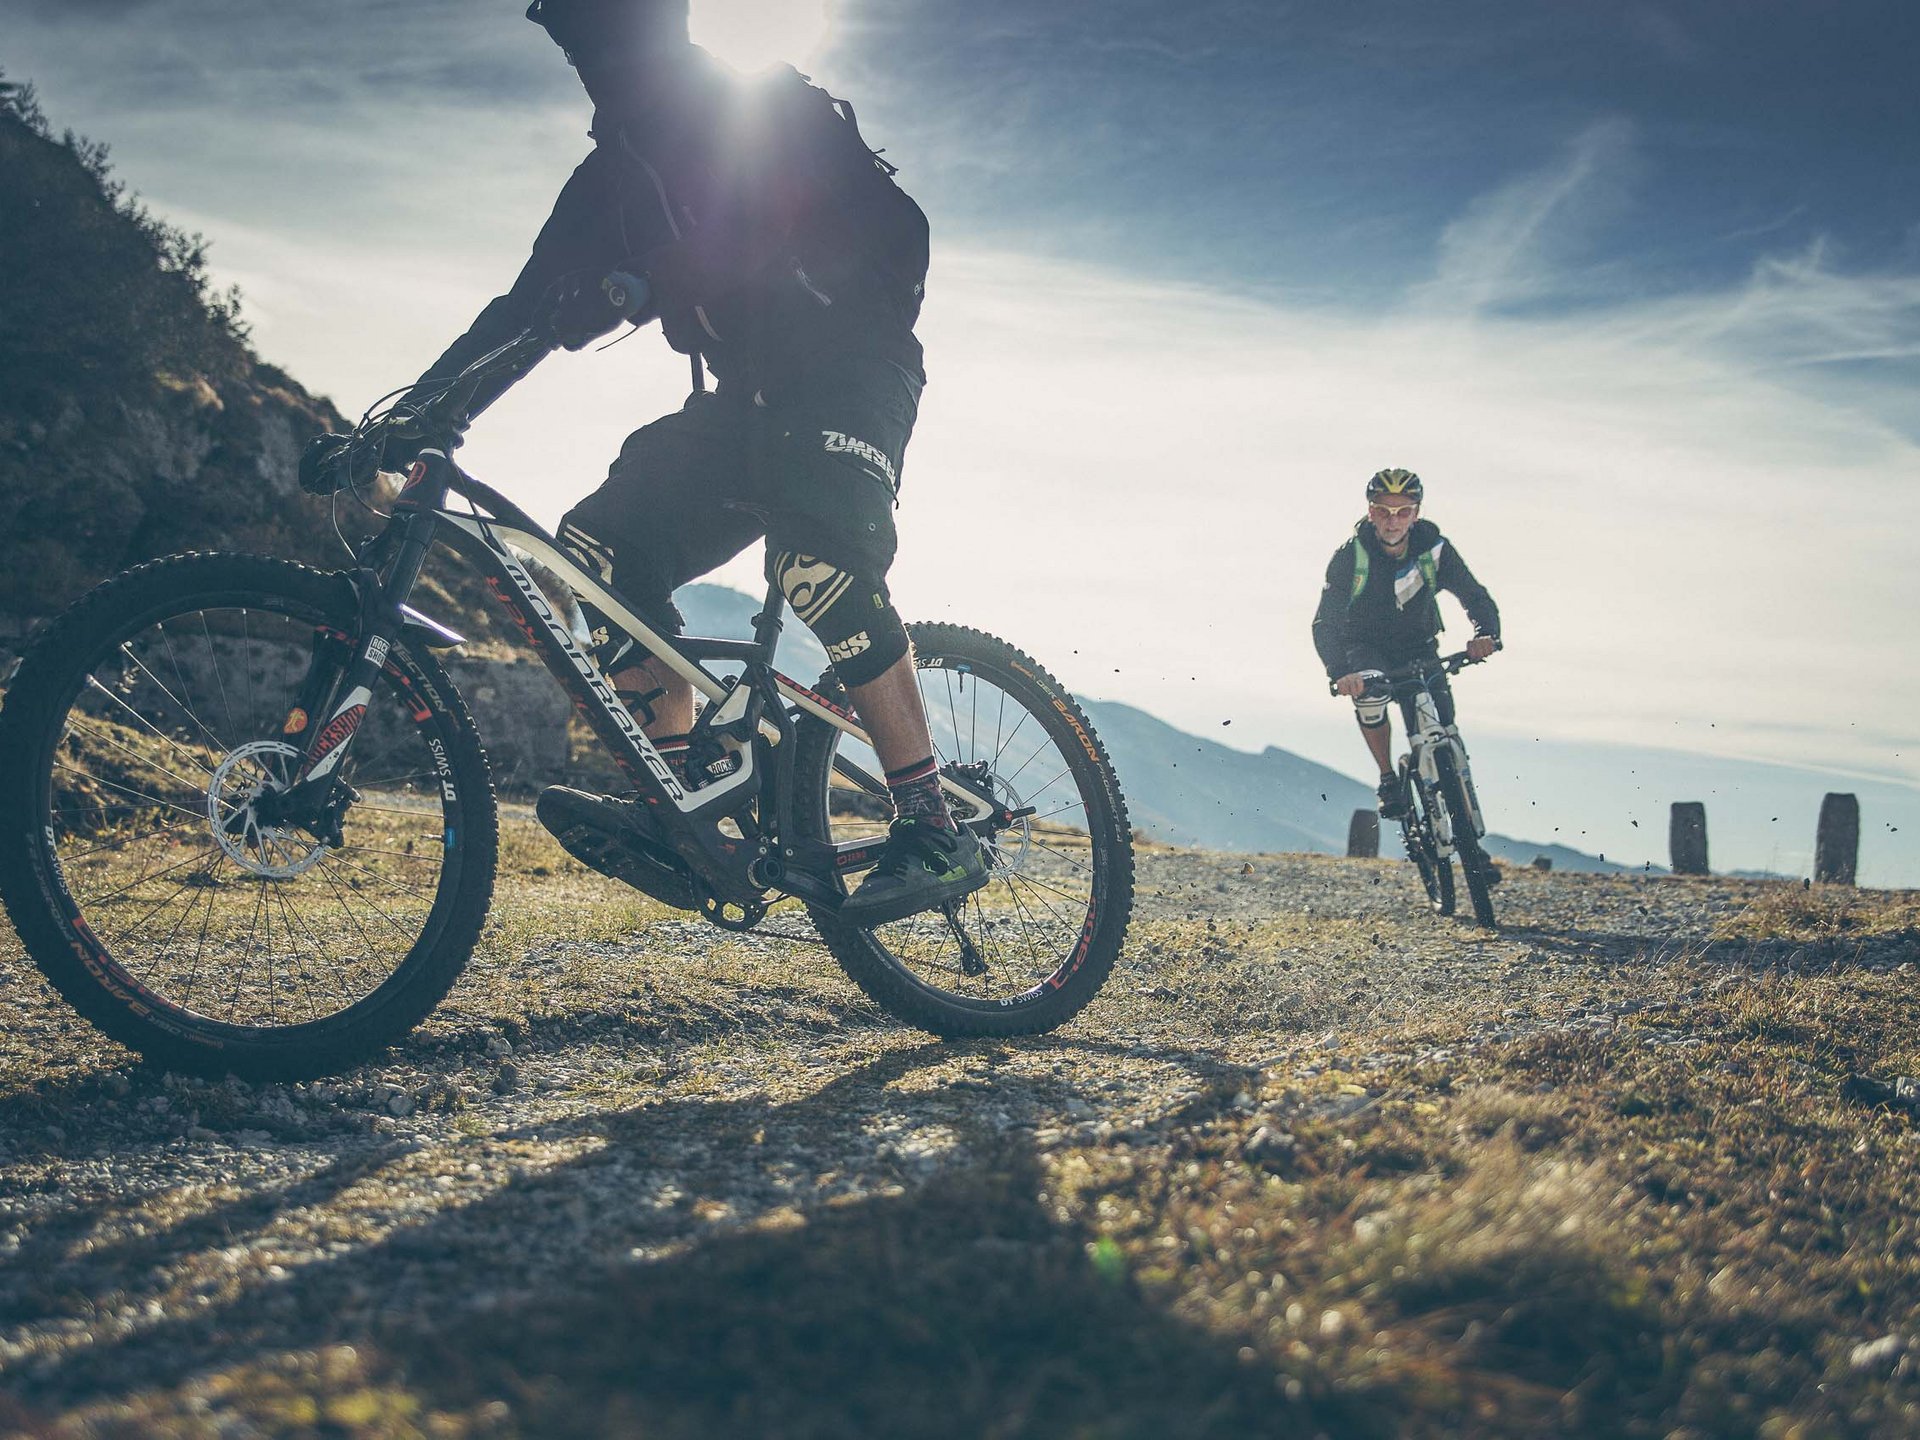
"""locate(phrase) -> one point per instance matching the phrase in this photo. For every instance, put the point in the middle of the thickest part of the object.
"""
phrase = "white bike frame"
(1428, 740)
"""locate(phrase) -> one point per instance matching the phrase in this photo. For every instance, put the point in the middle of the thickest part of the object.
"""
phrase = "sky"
(1635, 287)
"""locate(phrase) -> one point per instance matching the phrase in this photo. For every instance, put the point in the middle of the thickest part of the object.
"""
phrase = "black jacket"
(773, 237)
(1396, 615)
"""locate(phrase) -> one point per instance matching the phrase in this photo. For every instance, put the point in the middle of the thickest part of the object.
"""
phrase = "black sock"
(916, 794)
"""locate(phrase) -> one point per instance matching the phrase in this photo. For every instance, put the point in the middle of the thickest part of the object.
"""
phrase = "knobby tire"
(1049, 926)
(58, 705)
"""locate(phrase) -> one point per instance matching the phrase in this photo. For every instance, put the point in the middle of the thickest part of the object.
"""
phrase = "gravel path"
(589, 1104)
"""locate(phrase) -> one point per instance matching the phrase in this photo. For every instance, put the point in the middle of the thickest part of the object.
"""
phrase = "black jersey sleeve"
(1454, 576)
(591, 228)
(1331, 630)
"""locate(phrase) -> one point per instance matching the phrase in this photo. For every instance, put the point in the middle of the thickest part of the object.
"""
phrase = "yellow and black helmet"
(1395, 482)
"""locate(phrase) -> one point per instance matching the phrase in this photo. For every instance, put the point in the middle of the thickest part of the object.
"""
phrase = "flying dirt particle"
(1226, 722)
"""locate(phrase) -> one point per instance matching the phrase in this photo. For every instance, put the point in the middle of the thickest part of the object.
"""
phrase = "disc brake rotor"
(276, 852)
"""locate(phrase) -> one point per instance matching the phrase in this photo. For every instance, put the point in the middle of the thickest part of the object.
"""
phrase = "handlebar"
(445, 410)
(431, 416)
(1383, 683)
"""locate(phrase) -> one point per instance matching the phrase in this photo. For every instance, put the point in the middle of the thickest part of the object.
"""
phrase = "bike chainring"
(737, 915)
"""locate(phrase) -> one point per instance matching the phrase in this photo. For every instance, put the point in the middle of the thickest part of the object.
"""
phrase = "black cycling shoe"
(922, 866)
(618, 839)
(1393, 798)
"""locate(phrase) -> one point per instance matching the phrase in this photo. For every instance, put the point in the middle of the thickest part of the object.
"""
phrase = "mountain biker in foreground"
(746, 215)
(1380, 610)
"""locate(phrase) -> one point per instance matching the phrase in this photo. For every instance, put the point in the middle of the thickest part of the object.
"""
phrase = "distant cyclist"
(749, 217)
(1380, 610)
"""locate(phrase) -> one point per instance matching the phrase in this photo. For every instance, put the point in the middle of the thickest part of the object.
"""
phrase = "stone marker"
(1836, 844)
(1363, 835)
(1687, 837)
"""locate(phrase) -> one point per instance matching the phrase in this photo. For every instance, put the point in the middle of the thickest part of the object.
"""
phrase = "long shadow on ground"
(962, 1306)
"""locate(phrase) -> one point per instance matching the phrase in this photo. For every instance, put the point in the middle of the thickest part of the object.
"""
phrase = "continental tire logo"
(1079, 731)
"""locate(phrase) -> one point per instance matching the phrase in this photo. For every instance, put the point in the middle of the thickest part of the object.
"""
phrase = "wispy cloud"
(1511, 245)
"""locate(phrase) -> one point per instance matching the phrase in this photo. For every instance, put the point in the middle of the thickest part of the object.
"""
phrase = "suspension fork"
(1458, 749)
(310, 800)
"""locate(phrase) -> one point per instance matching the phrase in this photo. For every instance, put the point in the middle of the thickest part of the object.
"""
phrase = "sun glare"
(749, 34)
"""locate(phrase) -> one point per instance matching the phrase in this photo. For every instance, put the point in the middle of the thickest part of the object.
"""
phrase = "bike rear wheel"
(1416, 831)
(1475, 865)
(1028, 952)
(139, 860)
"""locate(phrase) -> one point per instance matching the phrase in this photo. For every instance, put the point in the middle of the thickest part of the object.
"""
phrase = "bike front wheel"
(1416, 832)
(1475, 866)
(142, 740)
(1030, 950)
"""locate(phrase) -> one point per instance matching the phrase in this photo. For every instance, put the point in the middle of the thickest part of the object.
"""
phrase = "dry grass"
(1566, 1234)
(1799, 913)
(1678, 1225)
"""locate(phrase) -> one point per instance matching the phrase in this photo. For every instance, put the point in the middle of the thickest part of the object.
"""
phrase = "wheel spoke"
(191, 787)
(127, 816)
(214, 660)
(995, 949)
(218, 747)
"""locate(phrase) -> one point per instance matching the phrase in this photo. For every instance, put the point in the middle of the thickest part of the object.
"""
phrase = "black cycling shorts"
(812, 466)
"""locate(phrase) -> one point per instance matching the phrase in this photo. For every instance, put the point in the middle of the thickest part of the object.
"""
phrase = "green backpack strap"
(1430, 572)
(1359, 571)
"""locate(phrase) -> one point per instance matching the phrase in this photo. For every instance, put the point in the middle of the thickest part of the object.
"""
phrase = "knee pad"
(1372, 714)
(849, 614)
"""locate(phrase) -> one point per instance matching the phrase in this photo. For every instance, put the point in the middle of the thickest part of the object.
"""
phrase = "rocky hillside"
(134, 418)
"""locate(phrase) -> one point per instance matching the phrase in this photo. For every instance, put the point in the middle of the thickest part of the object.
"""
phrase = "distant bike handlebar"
(1383, 684)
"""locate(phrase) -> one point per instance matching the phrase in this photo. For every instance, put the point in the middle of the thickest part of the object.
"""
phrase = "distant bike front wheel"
(1476, 867)
(146, 868)
(1417, 833)
(1030, 950)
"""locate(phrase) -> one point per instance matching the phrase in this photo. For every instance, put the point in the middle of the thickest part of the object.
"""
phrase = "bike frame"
(1427, 739)
(752, 717)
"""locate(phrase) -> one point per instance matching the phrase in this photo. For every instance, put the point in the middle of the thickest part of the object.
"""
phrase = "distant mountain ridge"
(1188, 790)
(1181, 789)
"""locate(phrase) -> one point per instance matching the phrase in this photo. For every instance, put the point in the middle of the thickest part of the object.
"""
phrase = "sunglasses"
(1393, 512)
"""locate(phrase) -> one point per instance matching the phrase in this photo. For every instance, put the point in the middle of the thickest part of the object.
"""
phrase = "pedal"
(593, 830)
